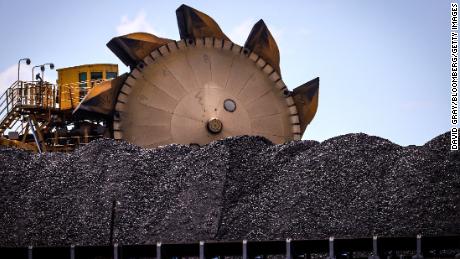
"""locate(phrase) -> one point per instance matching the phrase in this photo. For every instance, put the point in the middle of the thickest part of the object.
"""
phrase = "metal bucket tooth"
(261, 41)
(134, 47)
(306, 100)
(195, 24)
(101, 99)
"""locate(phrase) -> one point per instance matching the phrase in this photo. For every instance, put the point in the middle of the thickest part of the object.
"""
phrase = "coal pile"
(245, 187)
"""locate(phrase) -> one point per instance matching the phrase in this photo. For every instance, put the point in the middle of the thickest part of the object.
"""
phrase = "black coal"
(237, 188)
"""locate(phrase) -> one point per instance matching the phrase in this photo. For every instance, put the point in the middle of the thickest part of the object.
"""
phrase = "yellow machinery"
(201, 88)
(75, 82)
(38, 115)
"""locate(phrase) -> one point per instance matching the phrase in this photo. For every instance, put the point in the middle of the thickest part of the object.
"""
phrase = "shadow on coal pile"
(353, 185)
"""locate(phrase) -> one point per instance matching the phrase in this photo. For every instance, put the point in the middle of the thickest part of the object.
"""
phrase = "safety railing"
(6, 101)
(373, 248)
(78, 90)
(34, 94)
(42, 94)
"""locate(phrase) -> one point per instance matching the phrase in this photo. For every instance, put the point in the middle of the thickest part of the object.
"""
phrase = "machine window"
(110, 75)
(95, 76)
(82, 77)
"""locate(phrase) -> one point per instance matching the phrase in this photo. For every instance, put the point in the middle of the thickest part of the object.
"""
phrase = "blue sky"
(384, 65)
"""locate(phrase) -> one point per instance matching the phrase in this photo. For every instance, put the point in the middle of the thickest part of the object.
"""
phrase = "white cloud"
(7, 77)
(137, 24)
(10, 75)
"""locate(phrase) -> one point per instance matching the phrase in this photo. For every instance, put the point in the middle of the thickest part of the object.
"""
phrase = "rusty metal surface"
(261, 41)
(306, 101)
(132, 48)
(175, 89)
(195, 24)
(101, 99)
(182, 87)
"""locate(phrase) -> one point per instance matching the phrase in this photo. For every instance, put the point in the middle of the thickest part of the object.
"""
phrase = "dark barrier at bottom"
(372, 248)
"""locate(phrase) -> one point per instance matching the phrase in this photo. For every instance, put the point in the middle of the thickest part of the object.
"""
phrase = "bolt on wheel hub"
(214, 126)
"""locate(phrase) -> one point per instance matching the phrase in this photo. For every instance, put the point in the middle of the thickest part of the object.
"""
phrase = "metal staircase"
(22, 97)
(31, 118)
(8, 111)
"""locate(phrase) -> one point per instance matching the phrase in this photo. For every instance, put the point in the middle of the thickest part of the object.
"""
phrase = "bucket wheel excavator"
(201, 88)
(196, 90)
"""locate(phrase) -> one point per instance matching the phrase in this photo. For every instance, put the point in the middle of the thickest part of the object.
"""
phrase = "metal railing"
(78, 90)
(374, 248)
(42, 94)
(32, 94)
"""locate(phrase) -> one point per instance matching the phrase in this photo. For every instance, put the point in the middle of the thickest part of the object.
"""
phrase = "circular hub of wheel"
(214, 125)
(200, 91)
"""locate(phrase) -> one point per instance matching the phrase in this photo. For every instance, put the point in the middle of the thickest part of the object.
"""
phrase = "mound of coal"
(237, 188)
